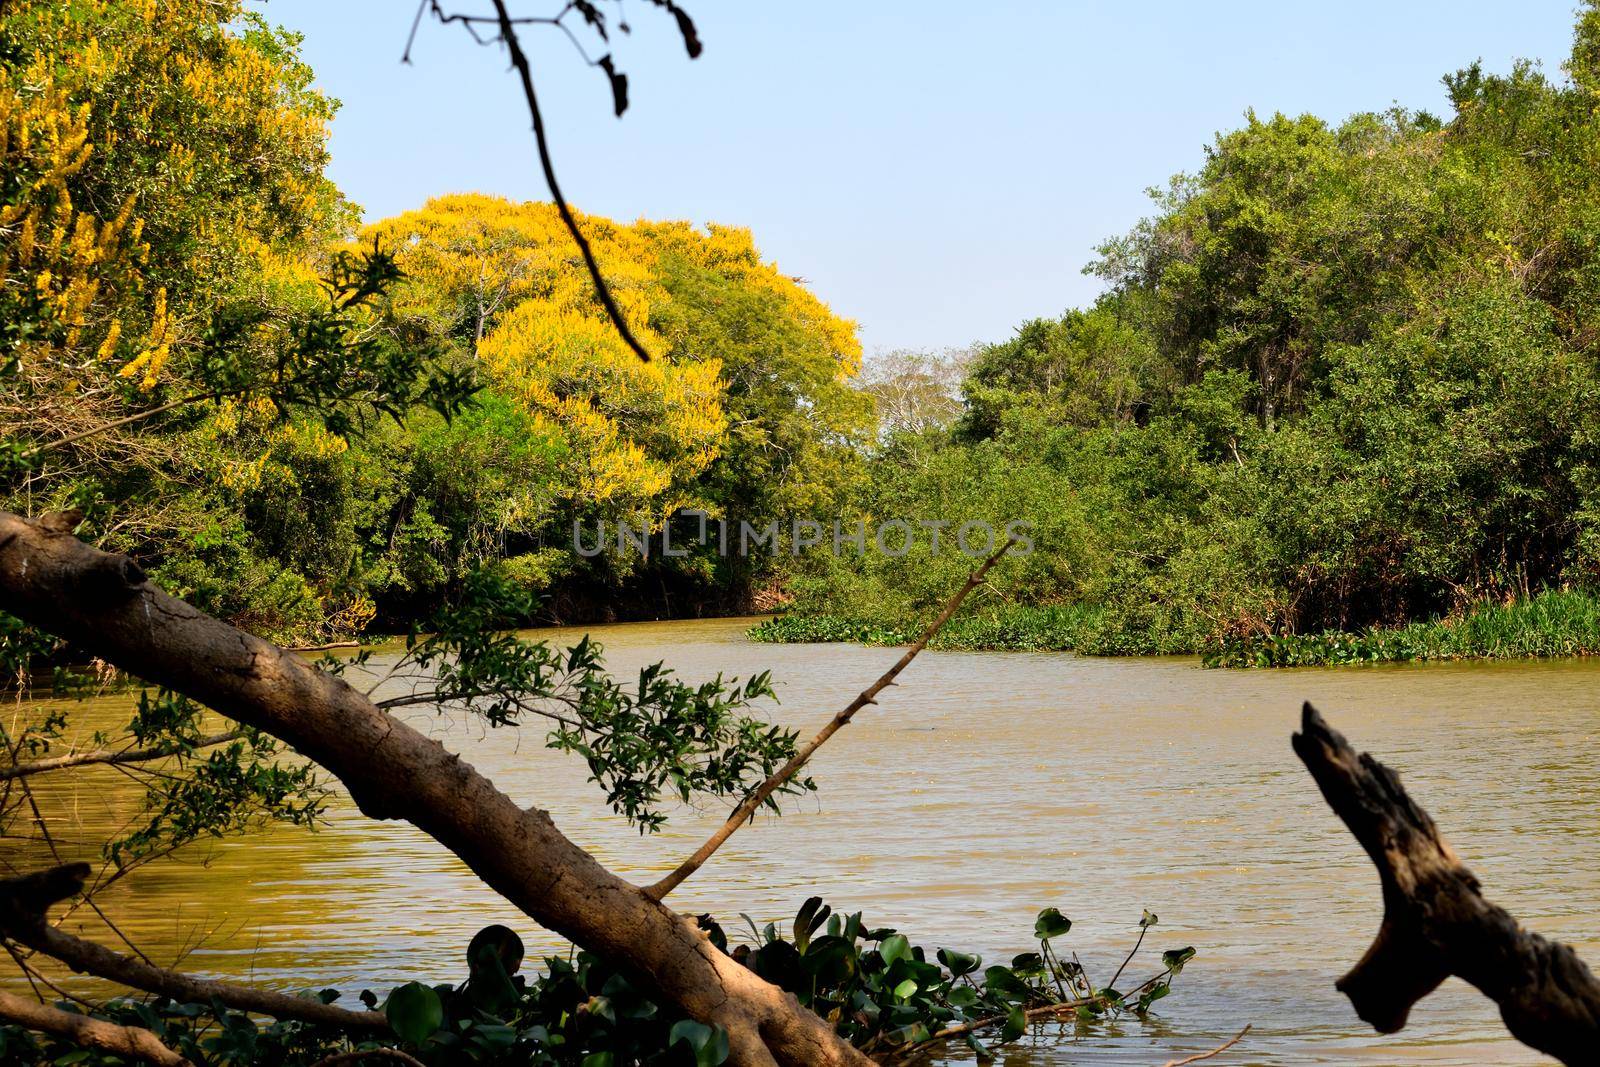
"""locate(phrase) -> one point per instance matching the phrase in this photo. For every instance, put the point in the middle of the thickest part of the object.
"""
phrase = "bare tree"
(916, 391)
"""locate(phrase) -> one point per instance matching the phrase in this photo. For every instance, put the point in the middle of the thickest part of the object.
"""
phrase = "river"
(981, 789)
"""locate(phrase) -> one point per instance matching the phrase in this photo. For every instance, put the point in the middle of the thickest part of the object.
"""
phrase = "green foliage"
(658, 740)
(881, 992)
(415, 1012)
(1551, 623)
(1342, 382)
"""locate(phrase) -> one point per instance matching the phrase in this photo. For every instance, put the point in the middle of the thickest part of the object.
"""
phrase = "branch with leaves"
(347, 362)
(115, 757)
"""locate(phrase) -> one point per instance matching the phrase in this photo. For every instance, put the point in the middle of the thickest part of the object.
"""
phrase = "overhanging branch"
(102, 604)
(116, 757)
(743, 813)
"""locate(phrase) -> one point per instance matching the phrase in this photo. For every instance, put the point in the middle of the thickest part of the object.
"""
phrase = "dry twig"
(747, 809)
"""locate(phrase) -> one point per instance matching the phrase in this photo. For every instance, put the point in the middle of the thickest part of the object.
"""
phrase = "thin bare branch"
(115, 757)
(394, 1054)
(22, 906)
(126, 420)
(519, 60)
(747, 809)
(1225, 1046)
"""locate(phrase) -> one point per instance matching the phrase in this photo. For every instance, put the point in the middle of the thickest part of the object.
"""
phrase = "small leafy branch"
(347, 362)
(658, 740)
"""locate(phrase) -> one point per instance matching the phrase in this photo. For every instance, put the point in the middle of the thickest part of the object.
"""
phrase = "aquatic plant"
(885, 995)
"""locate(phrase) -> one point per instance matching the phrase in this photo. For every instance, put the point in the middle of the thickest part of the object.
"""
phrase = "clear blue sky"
(938, 171)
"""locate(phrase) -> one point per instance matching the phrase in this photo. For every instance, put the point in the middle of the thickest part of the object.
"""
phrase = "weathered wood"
(1436, 922)
(101, 603)
(131, 1041)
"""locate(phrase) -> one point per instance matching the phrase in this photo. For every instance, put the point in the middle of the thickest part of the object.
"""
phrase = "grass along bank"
(1551, 623)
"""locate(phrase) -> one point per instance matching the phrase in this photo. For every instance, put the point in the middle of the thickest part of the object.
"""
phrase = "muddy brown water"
(983, 788)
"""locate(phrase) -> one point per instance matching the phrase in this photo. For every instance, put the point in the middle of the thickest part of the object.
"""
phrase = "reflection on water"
(981, 789)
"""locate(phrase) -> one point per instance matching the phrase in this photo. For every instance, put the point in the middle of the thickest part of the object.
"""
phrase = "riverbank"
(1549, 624)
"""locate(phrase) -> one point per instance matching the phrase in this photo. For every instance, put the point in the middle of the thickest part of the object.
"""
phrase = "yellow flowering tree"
(158, 159)
(169, 302)
(746, 412)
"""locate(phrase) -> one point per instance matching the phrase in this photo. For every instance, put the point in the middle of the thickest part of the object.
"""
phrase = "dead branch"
(132, 1041)
(519, 60)
(23, 902)
(113, 756)
(1219, 1050)
(1436, 922)
(747, 809)
(1045, 1011)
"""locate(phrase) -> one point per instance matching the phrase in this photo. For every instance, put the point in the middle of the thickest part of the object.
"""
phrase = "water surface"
(983, 788)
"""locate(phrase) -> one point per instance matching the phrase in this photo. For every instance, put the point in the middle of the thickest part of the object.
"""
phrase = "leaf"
(415, 1013)
(812, 914)
(959, 963)
(1028, 963)
(905, 990)
(1051, 923)
(691, 37)
(1148, 919)
(1152, 996)
(494, 954)
(1016, 1025)
(1001, 980)
(1174, 959)
(895, 947)
(598, 1059)
(962, 996)
(619, 83)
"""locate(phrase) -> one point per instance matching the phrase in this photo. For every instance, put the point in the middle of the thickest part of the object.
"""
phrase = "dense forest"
(172, 244)
(1343, 379)
(1340, 381)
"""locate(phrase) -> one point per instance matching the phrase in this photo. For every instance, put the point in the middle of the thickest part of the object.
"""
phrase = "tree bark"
(103, 604)
(1436, 922)
(130, 1041)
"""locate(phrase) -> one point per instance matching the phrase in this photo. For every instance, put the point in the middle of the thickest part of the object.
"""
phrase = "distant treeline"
(1344, 378)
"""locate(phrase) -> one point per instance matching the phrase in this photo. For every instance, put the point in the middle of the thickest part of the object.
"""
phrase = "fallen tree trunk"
(103, 604)
(1436, 922)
